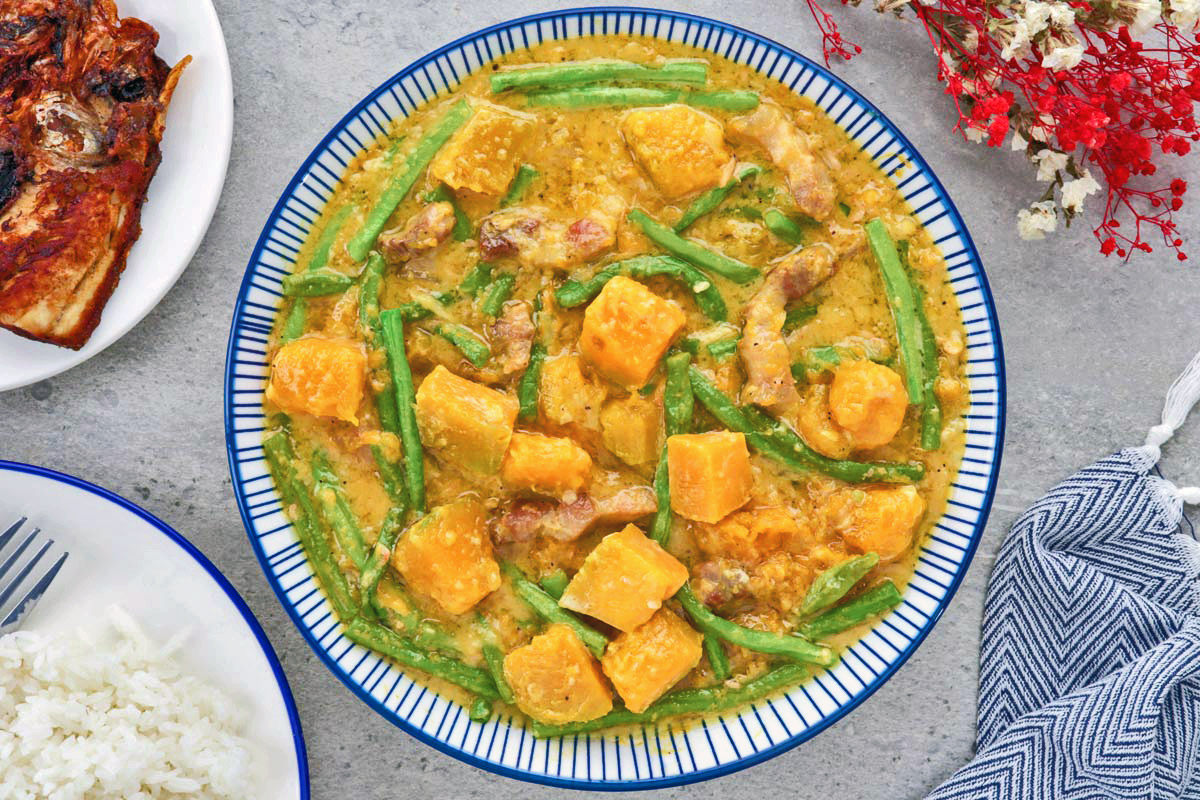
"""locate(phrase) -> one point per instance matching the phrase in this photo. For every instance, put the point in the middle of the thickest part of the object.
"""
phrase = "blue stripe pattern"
(1090, 666)
(669, 755)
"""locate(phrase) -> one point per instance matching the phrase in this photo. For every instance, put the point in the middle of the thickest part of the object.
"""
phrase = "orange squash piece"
(710, 474)
(447, 555)
(630, 429)
(484, 154)
(545, 464)
(682, 150)
(749, 536)
(644, 663)
(626, 330)
(868, 401)
(624, 580)
(556, 680)
(463, 423)
(881, 520)
(322, 377)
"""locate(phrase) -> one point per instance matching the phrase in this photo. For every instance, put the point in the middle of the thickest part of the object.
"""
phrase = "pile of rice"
(112, 716)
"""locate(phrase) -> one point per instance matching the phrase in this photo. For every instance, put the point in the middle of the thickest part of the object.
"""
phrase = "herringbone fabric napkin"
(1090, 665)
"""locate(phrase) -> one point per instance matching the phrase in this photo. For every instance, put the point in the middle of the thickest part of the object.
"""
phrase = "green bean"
(480, 710)
(548, 609)
(555, 583)
(297, 316)
(708, 700)
(412, 311)
(498, 295)
(378, 638)
(931, 409)
(377, 561)
(495, 664)
(462, 229)
(527, 389)
(708, 298)
(714, 197)
(316, 283)
(473, 349)
(368, 296)
(477, 279)
(281, 461)
(783, 226)
(844, 208)
(400, 185)
(393, 341)
(335, 508)
(724, 348)
(525, 176)
(775, 440)
(833, 583)
(791, 647)
(718, 660)
(874, 601)
(390, 475)
(570, 73)
(678, 408)
(598, 96)
(689, 251)
(795, 317)
(817, 360)
(904, 312)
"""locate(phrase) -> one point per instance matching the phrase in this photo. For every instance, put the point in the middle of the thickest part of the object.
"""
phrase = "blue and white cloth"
(1090, 664)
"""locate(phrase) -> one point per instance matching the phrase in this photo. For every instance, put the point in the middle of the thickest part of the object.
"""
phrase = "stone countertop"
(1091, 347)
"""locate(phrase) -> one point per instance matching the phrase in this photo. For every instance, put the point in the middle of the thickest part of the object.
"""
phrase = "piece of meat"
(512, 338)
(806, 176)
(764, 351)
(83, 100)
(539, 242)
(424, 231)
(568, 521)
(718, 581)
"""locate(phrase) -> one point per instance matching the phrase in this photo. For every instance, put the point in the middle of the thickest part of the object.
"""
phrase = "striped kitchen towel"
(1090, 664)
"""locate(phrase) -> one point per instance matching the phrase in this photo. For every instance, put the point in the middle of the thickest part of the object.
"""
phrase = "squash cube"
(644, 663)
(556, 680)
(567, 396)
(626, 330)
(682, 150)
(630, 428)
(881, 520)
(464, 423)
(545, 464)
(710, 474)
(322, 377)
(624, 580)
(447, 555)
(484, 154)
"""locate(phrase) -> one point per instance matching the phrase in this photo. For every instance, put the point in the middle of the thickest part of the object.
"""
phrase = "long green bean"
(718, 659)
(477, 279)
(414, 164)
(526, 175)
(571, 73)
(678, 408)
(931, 409)
(498, 295)
(790, 647)
(392, 323)
(555, 583)
(833, 583)
(412, 311)
(335, 508)
(708, 700)
(703, 258)
(316, 283)
(377, 561)
(464, 339)
(391, 476)
(723, 348)
(370, 283)
(548, 609)
(783, 226)
(480, 710)
(297, 316)
(599, 96)
(576, 292)
(494, 658)
(904, 308)
(462, 229)
(281, 461)
(396, 647)
(527, 389)
(874, 601)
(708, 201)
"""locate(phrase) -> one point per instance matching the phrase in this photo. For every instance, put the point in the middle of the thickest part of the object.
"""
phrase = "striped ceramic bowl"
(671, 754)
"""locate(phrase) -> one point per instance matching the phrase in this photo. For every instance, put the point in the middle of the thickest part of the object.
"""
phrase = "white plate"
(121, 554)
(182, 196)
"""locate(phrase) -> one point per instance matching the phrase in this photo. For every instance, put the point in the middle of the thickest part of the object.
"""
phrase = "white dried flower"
(1076, 191)
(1063, 56)
(1062, 15)
(974, 134)
(1185, 13)
(1018, 43)
(1019, 142)
(1035, 222)
(1036, 16)
(1049, 162)
(1145, 15)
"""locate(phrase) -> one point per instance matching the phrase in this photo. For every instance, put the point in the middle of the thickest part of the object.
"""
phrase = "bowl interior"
(669, 755)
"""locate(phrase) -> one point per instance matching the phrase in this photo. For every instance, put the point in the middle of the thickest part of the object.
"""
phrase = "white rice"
(111, 715)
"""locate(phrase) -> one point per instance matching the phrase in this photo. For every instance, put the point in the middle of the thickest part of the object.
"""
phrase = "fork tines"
(25, 572)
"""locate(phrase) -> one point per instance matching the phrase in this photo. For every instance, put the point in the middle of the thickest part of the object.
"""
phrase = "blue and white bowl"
(673, 754)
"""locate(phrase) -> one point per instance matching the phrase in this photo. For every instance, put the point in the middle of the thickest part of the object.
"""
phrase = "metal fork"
(18, 576)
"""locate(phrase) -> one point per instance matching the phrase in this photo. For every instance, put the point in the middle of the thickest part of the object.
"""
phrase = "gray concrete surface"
(1091, 344)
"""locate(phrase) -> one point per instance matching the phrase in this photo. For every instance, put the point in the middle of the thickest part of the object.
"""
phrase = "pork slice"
(424, 231)
(806, 176)
(566, 522)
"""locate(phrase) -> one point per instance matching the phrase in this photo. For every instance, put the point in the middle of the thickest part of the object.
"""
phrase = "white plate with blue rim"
(653, 757)
(120, 554)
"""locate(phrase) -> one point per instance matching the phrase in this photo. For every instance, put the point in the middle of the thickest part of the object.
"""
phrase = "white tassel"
(1181, 397)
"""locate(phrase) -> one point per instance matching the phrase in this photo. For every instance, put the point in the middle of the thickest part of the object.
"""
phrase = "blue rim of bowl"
(285, 689)
(742, 762)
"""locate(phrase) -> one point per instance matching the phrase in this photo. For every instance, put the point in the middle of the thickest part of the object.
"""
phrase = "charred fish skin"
(83, 99)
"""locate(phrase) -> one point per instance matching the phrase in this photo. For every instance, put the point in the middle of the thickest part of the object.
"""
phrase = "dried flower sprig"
(1103, 85)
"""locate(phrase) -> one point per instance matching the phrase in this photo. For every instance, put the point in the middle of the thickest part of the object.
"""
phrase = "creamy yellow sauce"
(583, 161)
